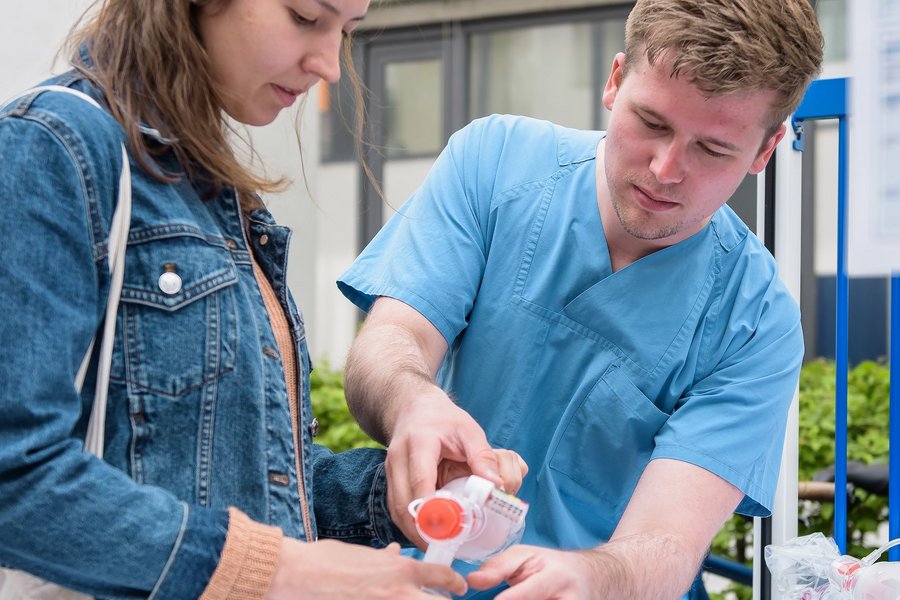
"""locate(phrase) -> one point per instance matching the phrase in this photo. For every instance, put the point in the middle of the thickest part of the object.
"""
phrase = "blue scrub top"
(691, 353)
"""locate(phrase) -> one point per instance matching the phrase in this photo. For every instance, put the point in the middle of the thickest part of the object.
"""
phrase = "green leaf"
(338, 430)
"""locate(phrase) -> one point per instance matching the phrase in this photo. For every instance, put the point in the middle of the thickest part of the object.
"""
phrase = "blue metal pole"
(841, 349)
(894, 438)
(827, 99)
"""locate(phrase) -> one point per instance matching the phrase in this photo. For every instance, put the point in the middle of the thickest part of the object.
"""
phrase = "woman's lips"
(286, 96)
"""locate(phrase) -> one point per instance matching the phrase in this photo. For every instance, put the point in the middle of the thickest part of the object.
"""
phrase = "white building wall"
(30, 36)
(337, 221)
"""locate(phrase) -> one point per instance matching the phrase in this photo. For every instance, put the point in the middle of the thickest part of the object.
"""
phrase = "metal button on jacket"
(170, 281)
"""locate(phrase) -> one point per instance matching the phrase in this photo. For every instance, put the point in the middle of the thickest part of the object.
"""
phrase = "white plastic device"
(468, 519)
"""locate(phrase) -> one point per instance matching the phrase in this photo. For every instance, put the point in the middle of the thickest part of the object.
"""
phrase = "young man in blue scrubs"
(587, 299)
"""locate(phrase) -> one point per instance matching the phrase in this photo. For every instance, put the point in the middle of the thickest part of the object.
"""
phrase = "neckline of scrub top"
(643, 307)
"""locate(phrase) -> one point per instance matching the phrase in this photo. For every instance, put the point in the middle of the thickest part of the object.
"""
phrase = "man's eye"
(712, 152)
(651, 125)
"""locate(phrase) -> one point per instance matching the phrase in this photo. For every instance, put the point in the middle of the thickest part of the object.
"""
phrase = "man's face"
(673, 156)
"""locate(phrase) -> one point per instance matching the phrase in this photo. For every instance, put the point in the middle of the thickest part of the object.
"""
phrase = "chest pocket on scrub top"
(179, 311)
(607, 441)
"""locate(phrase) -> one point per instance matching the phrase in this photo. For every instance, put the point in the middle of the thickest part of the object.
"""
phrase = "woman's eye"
(300, 19)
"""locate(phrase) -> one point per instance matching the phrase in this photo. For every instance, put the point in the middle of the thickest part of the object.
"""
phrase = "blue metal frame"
(723, 567)
(734, 571)
(827, 99)
(894, 451)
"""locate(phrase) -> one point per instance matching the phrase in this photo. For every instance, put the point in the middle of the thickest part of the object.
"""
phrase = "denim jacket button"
(314, 427)
(231, 244)
(170, 283)
(279, 478)
(271, 352)
(263, 239)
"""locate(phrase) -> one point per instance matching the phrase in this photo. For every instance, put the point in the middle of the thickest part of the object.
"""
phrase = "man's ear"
(614, 82)
(765, 152)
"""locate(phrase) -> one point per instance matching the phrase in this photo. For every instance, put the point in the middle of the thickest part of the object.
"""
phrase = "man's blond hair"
(726, 46)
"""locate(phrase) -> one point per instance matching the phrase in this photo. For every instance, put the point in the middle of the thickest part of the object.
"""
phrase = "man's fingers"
(535, 588)
(422, 459)
(516, 564)
(411, 466)
(493, 571)
(449, 470)
(481, 458)
(398, 494)
(512, 469)
(510, 465)
(441, 577)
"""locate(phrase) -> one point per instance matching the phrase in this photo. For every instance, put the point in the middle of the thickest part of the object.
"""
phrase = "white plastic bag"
(19, 585)
(801, 567)
(811, 567)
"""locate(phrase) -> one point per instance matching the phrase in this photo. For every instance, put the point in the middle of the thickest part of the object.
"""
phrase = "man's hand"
(537, 573)
(391, 391)
(432, 447)
(511, 466)
(331, 569)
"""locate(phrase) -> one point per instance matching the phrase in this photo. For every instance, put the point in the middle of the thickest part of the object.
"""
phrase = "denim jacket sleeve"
(351, 497)
(65, 515)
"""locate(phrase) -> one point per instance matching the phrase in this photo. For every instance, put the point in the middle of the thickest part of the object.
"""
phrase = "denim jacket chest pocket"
(178, 311)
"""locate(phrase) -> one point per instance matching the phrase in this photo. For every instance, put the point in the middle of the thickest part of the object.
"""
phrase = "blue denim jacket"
(198, 417)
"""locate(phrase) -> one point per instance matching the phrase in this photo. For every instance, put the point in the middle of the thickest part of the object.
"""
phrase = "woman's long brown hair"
(147, 57)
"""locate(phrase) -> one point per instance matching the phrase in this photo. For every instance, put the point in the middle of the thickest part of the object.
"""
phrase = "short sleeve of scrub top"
(432, 254)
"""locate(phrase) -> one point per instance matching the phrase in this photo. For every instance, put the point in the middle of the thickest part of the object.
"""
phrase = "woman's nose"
(325, 61)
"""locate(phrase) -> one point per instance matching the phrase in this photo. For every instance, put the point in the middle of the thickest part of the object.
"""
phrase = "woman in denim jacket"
(205, 488)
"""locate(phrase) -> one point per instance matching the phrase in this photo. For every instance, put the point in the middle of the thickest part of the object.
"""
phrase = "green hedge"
(337, 427)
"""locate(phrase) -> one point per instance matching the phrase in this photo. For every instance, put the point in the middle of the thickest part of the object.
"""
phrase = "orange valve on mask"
(440, 518)
(468, 519)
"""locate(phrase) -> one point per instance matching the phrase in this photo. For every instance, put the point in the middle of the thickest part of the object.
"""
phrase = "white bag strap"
(118, 240)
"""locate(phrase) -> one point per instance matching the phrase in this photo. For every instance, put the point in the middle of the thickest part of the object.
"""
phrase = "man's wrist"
(409, 387)
(608, 573)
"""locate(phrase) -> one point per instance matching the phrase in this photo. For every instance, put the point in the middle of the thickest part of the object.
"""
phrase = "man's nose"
(668, 163)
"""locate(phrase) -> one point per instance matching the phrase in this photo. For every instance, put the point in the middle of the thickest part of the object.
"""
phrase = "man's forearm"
(643, 567)
(384, 368)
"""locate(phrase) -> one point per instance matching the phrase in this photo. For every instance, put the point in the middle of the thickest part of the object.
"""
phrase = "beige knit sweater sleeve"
(248, 560)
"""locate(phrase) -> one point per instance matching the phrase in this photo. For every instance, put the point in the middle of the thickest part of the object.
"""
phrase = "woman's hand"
(332, 569)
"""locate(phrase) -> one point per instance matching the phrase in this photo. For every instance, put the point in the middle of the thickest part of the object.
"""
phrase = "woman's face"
(266, 53)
